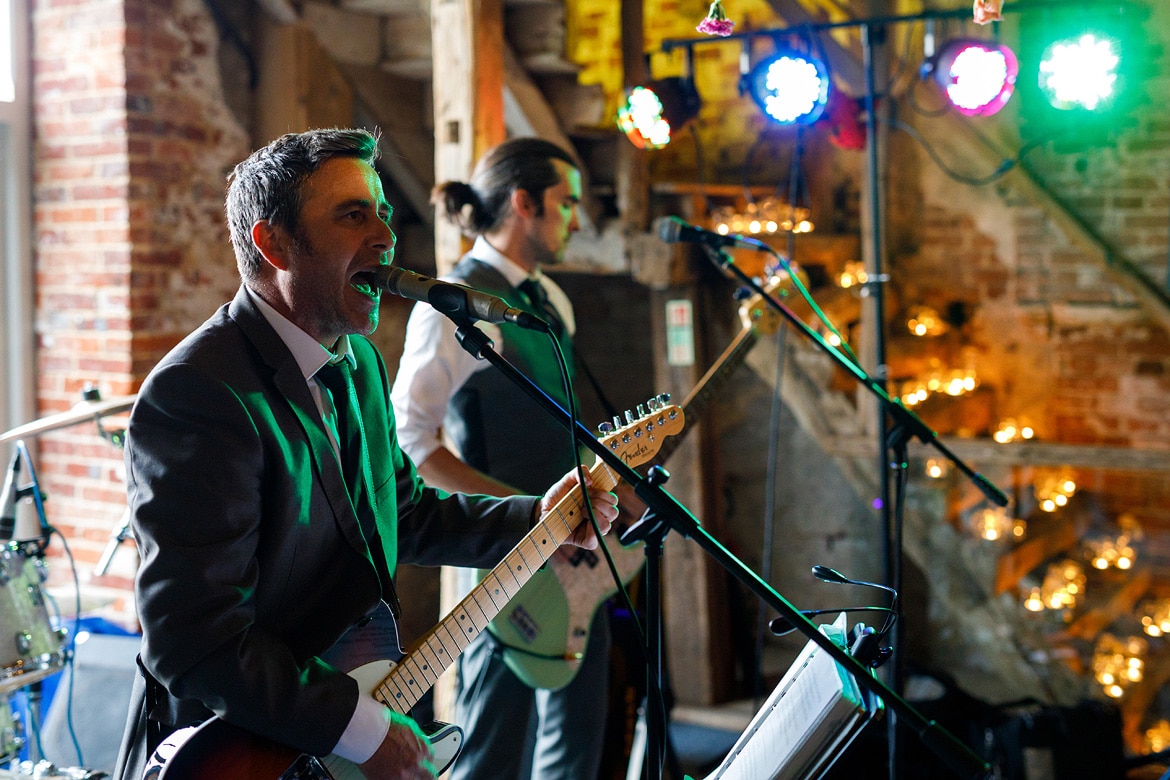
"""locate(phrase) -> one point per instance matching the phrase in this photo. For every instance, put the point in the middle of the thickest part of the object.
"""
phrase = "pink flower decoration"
(716, 22)
(988, 11)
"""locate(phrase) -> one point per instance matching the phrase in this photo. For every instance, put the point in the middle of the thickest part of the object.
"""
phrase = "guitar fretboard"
(437, 650)
(712, 382)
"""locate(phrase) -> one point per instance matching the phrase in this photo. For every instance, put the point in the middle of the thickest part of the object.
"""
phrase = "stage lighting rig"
(977, 76)
(791, 87)
(654, 113)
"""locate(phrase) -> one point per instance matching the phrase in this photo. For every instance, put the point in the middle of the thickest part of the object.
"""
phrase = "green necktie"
(355, 463)
(541, 306)
(351, 434)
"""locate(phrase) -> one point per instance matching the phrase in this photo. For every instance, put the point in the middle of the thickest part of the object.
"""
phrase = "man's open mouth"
(363, 282)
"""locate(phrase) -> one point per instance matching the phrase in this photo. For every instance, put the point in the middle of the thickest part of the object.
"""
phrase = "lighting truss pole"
(891, 530)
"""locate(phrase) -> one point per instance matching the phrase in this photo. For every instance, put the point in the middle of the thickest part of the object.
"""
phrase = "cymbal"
(84, 411)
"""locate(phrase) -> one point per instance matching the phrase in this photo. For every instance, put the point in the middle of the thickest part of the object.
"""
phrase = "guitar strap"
(154, 734)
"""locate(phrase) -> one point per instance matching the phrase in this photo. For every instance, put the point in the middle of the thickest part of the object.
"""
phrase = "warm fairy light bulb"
(853, 274)
(1119, 663)
(1157, 737)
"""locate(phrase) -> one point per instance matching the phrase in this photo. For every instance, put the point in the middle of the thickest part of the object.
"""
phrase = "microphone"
(8, 498)
(459, 302)
(673, 230)
(779, 626)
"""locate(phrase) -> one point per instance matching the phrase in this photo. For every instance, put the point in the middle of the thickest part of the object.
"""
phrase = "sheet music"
(815, 706)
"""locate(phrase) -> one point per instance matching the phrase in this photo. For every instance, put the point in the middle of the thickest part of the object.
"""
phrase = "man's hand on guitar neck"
(405, 753)
(604, 509)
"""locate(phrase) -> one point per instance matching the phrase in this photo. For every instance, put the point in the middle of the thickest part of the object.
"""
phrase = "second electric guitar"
(545, 627)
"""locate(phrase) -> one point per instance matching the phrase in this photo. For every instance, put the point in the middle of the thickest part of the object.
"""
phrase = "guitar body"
(545, 628)
(217, 750)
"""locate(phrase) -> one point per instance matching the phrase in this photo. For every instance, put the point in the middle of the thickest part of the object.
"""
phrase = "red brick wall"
(132, 144)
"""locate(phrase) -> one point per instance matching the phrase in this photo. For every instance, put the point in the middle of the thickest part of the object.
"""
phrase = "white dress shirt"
(369, 725)
(434, 366)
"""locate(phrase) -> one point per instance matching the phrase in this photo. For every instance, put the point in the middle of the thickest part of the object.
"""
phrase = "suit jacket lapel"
(290, 383)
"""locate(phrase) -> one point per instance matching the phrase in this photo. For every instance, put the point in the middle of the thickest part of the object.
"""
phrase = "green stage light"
(1080, 72)
(654, 113)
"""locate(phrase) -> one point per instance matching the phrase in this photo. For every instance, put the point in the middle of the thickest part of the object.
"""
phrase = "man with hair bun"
(470, 429)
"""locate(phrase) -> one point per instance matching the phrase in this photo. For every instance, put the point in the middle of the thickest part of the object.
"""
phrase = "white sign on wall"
(680, 333)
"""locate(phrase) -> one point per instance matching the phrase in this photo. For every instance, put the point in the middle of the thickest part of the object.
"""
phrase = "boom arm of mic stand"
(910, 423)
(667, 509)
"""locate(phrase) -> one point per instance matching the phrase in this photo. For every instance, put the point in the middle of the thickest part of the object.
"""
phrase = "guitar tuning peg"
(663, 398)
(617, 422)
(652, 403)
(605, 428)
(641, 411)
(629, 417)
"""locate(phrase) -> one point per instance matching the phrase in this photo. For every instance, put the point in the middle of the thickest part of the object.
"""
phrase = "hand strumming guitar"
(405, 753)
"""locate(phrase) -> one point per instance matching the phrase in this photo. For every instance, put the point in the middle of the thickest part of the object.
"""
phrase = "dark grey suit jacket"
(253, 558)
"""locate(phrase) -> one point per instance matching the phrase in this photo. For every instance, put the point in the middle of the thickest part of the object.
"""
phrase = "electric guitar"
(217, 750)
(545, 628)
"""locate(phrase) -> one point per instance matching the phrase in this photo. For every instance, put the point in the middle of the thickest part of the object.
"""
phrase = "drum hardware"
(48, 769)
(13, 495)
(91, 394)
(36, 649)
(117, 536)
(84, 411)
(11, 731)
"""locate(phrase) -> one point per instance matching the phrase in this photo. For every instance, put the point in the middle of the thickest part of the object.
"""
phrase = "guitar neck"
(438, 649)
(712, 382)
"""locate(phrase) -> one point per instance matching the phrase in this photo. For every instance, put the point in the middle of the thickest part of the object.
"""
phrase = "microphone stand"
(665, 509)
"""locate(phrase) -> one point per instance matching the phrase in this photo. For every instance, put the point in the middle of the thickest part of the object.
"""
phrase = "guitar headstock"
(758, 313)
(638, 439)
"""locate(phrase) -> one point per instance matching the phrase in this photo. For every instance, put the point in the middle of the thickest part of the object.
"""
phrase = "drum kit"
(31, 649)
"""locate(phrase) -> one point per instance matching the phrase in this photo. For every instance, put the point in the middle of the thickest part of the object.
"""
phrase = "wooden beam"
(469, 98)
(396, 107)
(526, 112)
(1014, 565)
(468, 88)
(1122, 603)
(984, 453)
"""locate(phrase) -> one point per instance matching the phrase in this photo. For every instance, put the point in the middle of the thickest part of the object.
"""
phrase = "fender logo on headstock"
(639, 454)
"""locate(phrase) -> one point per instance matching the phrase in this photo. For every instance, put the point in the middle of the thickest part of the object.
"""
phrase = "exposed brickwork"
(133, 143)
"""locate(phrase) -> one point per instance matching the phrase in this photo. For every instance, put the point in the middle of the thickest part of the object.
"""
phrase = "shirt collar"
(486, 253)
(309, 353)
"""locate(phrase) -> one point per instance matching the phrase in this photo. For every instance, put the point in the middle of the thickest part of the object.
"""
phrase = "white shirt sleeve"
(432, 369)
(365, 732)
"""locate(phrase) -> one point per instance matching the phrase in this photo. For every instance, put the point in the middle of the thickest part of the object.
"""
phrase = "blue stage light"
(790, 87)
